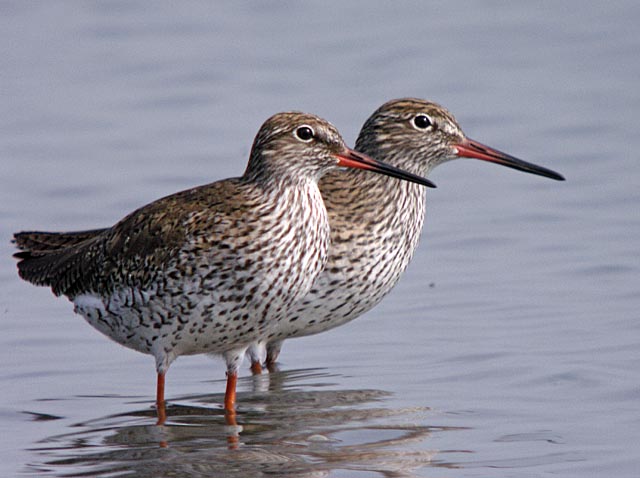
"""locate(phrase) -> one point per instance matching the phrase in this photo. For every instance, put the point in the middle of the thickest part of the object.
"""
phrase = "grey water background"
(511, 347)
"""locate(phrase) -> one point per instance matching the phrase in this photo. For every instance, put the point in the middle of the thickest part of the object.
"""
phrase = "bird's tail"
(57, 260)
(50, 241)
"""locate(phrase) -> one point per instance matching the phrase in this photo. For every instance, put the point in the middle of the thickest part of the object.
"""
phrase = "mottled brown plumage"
(210, 269)
(49, 241)
(376, 221)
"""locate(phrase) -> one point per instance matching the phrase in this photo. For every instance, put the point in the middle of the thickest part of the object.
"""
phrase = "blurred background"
(509, 348)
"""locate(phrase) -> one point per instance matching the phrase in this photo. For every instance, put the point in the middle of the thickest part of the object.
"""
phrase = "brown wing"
(130, 253)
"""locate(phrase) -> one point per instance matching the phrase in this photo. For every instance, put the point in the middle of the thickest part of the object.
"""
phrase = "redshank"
(375, 221)
(210, 269)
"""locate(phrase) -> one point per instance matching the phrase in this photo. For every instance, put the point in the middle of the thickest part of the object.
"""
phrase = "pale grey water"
(511, 348)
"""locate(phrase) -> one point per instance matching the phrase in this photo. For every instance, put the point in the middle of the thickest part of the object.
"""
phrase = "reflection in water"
(287, 428)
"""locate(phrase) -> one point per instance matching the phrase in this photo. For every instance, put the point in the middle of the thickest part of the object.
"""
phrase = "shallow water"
(511, 346)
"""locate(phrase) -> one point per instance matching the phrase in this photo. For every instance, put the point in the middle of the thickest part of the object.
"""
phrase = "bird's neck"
(263, 170)
(364, 187)
(372, 200)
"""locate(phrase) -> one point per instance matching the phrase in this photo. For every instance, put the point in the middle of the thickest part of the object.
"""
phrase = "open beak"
(353, 159)
(473, 149)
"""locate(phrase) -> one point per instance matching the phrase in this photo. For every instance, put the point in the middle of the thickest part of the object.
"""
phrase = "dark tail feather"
(37, 267)
(51, 241)
(67, 270)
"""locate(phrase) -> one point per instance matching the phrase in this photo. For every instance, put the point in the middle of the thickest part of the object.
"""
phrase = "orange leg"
(230, 394)
(160, 406)
(229, 407)
(256, 368)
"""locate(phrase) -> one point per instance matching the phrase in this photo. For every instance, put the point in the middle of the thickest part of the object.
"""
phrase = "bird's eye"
(422, 121)
(305, 133)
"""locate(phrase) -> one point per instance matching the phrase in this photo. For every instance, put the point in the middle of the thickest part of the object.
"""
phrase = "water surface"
(510, 347)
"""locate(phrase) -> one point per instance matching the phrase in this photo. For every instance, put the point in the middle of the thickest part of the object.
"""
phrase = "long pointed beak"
(353, 159)
(473, 149)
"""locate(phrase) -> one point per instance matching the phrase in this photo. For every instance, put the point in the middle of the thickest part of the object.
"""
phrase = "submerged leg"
(230, 393)
(233, 359)
(163, 361)
(160, 404)
(230, 410)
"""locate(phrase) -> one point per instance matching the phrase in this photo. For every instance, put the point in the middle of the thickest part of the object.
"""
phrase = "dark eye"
(305, 133)
(422, 122)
